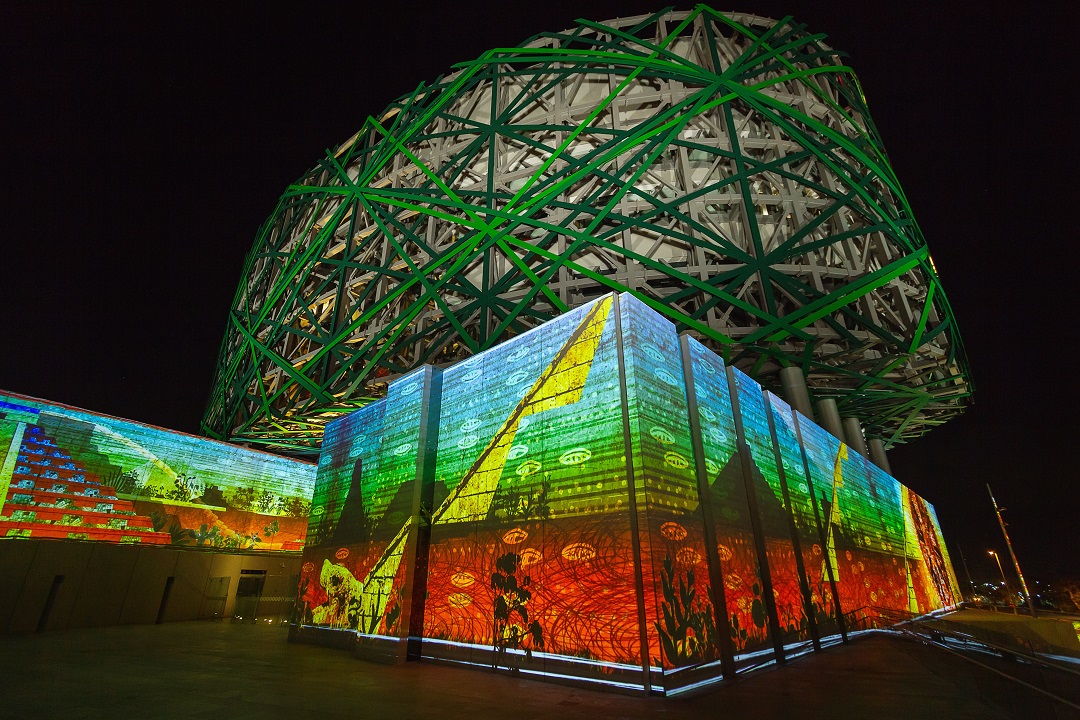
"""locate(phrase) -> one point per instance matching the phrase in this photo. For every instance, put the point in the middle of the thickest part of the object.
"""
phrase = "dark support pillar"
(796, 541)
(853, 436)
(716, 574)
(795, 392)
(633, 487)
(50, 600)
(163, 606)
(828, 417)
(823, 537)
(746, 460)
(423, 505)
(877, 454)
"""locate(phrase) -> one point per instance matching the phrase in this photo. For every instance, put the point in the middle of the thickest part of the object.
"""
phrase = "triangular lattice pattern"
(722, 168)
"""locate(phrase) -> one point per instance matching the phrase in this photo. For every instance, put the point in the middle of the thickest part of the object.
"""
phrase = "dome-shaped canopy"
(723, 168)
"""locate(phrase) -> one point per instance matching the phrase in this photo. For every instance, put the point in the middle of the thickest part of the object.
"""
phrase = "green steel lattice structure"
(722, 168)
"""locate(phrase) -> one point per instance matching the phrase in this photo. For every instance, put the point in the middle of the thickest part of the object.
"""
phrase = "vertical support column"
(828, 416)
(877, 454)
(632, 486)
(853, 436)
(416, 570)
(840, 624)
(796, 543)
(712, 556)
(746, 460)
(795, 392)
(50, 600)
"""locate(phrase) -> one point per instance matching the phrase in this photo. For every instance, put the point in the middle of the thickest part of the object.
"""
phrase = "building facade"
(603, 500)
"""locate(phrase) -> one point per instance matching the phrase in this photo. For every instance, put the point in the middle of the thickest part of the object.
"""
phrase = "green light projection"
(722, 169)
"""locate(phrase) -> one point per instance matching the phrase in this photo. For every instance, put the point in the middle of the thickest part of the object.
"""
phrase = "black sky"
(143, 145)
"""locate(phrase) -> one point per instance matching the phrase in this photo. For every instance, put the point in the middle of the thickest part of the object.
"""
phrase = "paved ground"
(241, 672)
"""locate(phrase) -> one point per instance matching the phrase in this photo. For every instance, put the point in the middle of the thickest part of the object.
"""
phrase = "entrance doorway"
(248, 593)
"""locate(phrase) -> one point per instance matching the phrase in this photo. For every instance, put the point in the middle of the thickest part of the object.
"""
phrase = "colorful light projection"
(70, 474)
(600, 499)
(370, 510)
(878, 557)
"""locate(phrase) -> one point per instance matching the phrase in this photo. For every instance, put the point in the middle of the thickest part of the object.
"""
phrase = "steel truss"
(722, 168)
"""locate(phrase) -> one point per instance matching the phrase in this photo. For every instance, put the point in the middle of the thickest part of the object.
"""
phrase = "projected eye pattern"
(72, 475)
(546, 515)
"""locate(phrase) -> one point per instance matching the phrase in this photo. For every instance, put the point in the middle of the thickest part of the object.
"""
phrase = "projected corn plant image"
(70, 474)
(601, 499)
(772, 510)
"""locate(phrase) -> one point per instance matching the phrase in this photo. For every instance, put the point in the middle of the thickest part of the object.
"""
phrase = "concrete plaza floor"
(240, 672)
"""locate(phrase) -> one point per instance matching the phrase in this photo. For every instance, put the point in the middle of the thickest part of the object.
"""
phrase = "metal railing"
(1032, 662)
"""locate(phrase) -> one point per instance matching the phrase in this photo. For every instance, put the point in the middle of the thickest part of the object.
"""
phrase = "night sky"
(143, 146)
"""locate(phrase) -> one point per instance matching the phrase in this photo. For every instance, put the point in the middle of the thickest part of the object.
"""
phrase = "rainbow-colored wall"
(70, 474)
(600, 499)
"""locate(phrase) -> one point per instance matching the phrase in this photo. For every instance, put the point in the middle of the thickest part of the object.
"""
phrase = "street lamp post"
(1012, 553)
(1008, 592)
(968, 573)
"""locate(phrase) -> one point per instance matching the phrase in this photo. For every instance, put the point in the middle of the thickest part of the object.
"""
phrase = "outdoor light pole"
(967, 572)
(1012, 554)
(1008, 592)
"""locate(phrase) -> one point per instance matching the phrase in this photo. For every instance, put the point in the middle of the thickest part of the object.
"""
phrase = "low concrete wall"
(1047, 633)
(124, 584)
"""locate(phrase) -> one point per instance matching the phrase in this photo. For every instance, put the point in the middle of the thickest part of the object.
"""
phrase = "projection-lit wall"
(74, 475)
(603, 500)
